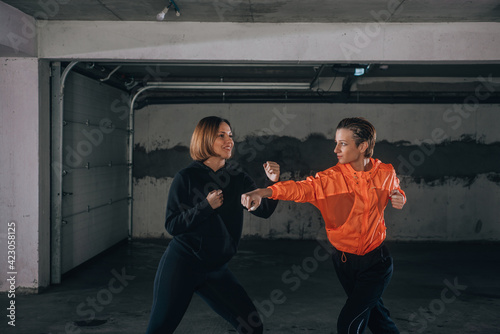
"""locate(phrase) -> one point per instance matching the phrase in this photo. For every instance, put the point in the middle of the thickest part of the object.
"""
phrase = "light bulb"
(161, 15)
(359, 71)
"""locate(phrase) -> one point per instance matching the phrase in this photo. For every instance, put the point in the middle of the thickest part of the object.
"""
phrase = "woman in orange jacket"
(351, 196)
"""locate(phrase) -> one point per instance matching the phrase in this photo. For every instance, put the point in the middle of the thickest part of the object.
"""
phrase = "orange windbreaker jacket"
(352, 203)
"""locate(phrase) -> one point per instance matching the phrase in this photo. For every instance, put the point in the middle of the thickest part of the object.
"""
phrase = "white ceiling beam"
(472, 42)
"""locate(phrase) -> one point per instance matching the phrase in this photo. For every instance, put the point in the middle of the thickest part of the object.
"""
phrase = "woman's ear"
(363, 147)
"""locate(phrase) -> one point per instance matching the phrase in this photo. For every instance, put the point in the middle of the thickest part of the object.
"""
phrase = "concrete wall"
(18, 33)
(446, 157)
(25, 172)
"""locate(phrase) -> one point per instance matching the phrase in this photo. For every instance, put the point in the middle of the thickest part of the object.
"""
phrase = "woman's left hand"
(272, 170)
(397, 199)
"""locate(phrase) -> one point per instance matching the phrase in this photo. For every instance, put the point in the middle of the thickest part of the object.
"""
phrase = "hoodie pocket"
(215, 242)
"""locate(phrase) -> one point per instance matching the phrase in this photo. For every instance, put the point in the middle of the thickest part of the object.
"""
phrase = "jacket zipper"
(364, 190)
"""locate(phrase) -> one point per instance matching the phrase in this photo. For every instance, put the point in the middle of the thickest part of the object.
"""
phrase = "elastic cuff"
(274, 191)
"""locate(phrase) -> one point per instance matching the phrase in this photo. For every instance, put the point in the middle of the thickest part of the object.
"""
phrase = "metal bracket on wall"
(92, 208)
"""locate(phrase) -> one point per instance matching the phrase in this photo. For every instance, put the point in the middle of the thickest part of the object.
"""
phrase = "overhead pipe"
(331, 99)
(131, 157)
(231, 85)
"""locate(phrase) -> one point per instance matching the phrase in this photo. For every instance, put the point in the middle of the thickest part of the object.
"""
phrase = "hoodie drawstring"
(343, 258)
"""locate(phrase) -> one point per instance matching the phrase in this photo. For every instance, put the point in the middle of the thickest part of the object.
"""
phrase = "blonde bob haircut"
(204, 135)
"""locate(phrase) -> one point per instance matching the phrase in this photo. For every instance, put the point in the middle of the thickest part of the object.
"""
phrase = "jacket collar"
(348, 170)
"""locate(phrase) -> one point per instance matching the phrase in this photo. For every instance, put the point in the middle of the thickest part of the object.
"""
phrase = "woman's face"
(224, 143)
(346, 149)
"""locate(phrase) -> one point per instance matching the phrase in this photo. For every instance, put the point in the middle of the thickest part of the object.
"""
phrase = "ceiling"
(266, 10)
(324, 82)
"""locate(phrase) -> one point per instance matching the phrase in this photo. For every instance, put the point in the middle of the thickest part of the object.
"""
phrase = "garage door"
(95, 186)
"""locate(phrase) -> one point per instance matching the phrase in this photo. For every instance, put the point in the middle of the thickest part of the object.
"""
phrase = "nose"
(337, 148)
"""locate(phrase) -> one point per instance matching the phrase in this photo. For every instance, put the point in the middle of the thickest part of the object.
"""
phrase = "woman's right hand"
(251, 200)
(215, 198)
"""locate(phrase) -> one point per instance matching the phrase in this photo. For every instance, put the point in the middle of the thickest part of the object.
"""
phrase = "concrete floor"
(436, 288)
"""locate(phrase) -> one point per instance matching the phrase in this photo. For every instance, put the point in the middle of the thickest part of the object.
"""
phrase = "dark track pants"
(180, 275)
(364, 279)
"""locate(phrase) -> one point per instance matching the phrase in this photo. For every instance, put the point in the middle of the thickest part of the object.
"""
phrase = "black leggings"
(364, 279)
(180, 275)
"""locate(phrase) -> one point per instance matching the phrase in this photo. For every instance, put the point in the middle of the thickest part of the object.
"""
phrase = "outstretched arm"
(297, 191)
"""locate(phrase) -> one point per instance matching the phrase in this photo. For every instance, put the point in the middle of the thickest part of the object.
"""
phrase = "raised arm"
(397, 199)
(272, 170)
(397, 195)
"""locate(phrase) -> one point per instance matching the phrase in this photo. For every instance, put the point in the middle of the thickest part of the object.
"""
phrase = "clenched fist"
(397, 199)
(272, 170)
(215, 198)
(251, 200)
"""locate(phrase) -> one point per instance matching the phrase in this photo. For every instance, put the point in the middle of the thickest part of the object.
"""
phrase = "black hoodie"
(210, 235)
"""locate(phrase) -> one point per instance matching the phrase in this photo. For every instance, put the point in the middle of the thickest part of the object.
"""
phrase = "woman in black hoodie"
(205, 218)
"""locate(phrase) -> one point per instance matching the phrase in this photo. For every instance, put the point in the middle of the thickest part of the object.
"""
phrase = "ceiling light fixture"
(161, 15)
(354, 69)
